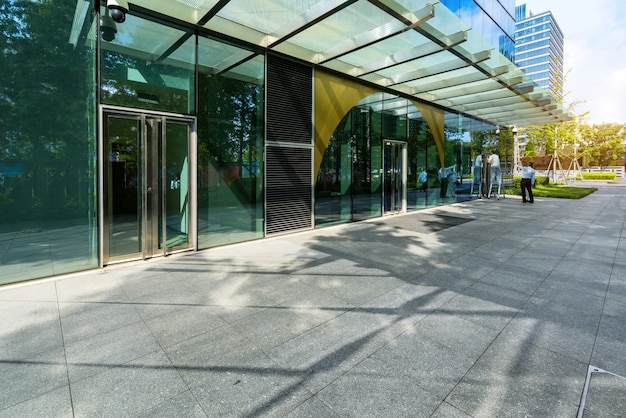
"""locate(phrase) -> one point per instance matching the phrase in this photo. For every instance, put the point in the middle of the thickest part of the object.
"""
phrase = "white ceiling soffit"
(418, 48)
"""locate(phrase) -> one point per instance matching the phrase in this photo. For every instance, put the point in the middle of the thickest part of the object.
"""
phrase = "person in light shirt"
(496, 172)
(528, 181)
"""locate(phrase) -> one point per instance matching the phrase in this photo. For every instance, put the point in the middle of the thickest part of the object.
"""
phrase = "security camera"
(118, 9)
(108, 28)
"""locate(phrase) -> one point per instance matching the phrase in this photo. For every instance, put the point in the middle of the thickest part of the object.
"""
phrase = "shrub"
(596, 176)
(539, 181)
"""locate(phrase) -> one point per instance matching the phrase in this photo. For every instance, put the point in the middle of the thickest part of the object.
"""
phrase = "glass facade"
(493, 20)
(230, 144)
(137, 139)
(355, 180)
(48, 222)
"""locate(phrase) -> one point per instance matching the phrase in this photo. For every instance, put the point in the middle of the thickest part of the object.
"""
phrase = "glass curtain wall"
(47, 139)
(367, 161)
(148, 65)
(420, 179)
(349, 184)
(230, 144)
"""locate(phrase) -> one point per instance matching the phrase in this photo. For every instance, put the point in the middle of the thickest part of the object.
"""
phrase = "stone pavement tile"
(567, 294)
(98, 286)
(445, 410)
(615, 307)
(312, 408)
(512, 280)
(514, 378)
(606, 396)
(147, 283)
(83, 320)
(563, 330)
(184, 405)
(537, 268)
(428, 363)
(28, 328)
(184, 323)
(473, 266)
(31, 377)
(596, 285)
(101, 352)
(218, 349)
(408, 303)
(584, 250)
(258, 387)
(546, 247)
(54, 404)
(576, 267)
(486, 305)
(272, 327)
(372, 390)
(349, 281)
(127, 389)
(314, 304)
(447, 283)
(610, 346)
(327, 352)
(456, 333)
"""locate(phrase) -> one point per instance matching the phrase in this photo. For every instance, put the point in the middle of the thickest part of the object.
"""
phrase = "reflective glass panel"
(148, 65)
(124, 199)
(177, 184)
(47, 139)
(230, 146)
(333, 193)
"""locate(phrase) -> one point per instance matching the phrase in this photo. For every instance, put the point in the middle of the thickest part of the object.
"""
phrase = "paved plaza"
(485, 308)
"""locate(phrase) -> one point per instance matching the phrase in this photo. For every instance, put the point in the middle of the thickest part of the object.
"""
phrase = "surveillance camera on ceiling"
(108, 28)
(118, 9)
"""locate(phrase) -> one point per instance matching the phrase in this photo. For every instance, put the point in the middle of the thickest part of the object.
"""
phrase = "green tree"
(530, 150)
(604, 143)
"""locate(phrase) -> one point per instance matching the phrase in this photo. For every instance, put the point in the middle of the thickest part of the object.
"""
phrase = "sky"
(595, 55)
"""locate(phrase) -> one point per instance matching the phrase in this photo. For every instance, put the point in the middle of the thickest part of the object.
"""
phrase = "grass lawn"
(555, 190)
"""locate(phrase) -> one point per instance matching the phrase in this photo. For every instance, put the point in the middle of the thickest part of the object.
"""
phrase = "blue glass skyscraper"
(539, 49)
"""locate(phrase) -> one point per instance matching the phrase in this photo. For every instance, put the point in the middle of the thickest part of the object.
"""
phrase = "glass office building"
(539, 51)
(190, 125)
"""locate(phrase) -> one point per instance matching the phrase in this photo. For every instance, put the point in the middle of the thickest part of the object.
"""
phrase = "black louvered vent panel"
(289, 101)
(288, 189)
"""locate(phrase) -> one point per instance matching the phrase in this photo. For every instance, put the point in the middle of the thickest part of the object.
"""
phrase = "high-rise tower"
(539, 49)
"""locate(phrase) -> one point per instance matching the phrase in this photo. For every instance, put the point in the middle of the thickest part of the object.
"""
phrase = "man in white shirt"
(496, 173)
(528, 181)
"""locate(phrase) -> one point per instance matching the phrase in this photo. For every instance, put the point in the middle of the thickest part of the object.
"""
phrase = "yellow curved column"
(435, 119)
(334, 97)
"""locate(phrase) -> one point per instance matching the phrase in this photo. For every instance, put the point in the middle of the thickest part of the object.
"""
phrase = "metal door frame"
(403, 147)
(143, 115)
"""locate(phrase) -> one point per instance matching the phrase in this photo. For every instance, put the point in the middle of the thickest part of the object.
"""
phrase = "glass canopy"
(417, 48)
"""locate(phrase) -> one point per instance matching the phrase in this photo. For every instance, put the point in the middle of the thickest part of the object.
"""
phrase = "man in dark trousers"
(528, 181)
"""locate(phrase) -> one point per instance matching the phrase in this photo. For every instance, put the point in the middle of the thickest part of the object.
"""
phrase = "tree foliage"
(603, 144)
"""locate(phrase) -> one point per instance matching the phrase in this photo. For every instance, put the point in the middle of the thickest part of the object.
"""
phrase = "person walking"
(528, 181)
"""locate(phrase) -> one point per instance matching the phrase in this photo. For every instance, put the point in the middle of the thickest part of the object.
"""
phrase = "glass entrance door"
(146, 186)
(394, 167)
